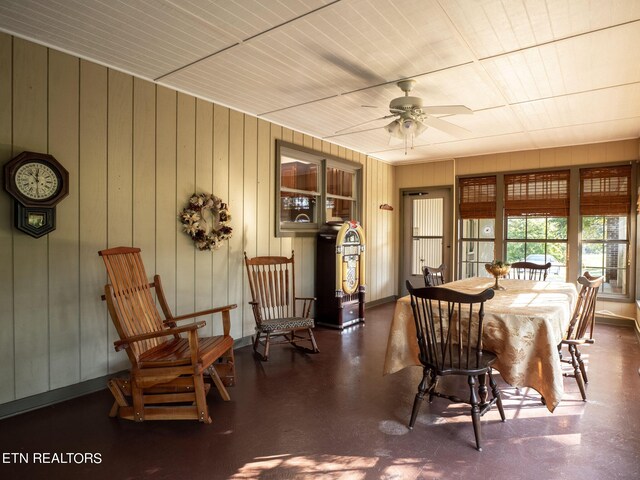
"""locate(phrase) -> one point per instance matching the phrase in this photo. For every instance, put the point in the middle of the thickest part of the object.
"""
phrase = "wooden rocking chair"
(166, 381)
(272, 283)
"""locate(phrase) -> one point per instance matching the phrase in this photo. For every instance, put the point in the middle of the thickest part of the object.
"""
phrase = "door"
(426, 234)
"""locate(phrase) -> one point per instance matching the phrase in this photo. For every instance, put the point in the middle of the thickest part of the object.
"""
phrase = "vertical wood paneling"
(385, 224)
(372, 237)
(221, 189)
(250, 209)
(119, 160)
(287, 243)
(144, 171)
(135, 153)
(204, 183)
(185, 181)
(30, 255)
(236, 195)
(119, 179)
(7, 373)
(94, 343)
(275, 243)
(264, 198)
(64, 263)
(166, 203)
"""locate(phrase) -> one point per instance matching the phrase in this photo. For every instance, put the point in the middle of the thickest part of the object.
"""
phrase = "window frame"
(574, 225)
(324, 161)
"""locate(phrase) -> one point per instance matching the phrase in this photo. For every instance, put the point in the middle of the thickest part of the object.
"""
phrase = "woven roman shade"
(540, 194)
(605, 190)
(478, 197)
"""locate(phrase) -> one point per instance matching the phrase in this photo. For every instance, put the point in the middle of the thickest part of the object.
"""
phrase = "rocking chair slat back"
(272, 284)
(132, 297)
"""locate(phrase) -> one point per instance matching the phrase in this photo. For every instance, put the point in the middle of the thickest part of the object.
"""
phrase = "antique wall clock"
(37, 182)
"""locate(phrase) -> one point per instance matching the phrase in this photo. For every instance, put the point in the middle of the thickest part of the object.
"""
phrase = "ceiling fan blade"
(364, 123)
(446, 127)
(370, 106)
(447, 110)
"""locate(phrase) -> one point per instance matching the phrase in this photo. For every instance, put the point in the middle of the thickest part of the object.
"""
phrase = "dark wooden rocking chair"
(272, 284)
(166, 377)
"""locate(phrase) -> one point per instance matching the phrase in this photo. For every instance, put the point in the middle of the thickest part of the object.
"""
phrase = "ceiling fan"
(413, 117)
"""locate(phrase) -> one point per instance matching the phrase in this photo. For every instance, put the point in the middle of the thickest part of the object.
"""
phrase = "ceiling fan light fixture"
(395, 129)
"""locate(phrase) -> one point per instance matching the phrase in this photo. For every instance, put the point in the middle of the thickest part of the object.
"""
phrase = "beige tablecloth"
(523, 325)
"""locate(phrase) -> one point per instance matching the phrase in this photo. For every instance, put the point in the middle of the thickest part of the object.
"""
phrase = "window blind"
(540, 194)
(605, 190)
(478, 197)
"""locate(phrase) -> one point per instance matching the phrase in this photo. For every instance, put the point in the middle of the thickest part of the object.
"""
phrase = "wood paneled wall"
(135, 151)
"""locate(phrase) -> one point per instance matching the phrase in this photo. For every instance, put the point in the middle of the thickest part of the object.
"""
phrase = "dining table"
(523, 325)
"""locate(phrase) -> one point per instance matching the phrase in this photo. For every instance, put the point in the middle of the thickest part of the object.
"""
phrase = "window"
(536, 209)
(478, 219)
(605, 204)
(341, 201)
(531, 214)
(306, 180)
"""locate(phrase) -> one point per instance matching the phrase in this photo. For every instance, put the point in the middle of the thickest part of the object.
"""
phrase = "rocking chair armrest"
(201, 313)
(121, 344)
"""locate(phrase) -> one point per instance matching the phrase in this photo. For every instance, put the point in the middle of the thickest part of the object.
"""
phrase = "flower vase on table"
(497, 269)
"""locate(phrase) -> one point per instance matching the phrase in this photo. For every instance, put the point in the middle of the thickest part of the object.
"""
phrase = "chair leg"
(217, 381)
(201, 400)
(422, 390)
(583, 369)
(577, 373)
(433, 383)
(475, 412)
(482, 389)
(312, 339)
(265, 357)
(138, 401)
(495, 391)
(256, 344)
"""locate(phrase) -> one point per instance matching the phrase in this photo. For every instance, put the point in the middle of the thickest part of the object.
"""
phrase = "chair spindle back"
(272, 284)
(448, 326)
(529, 271)
(434, 276)
(583, 318)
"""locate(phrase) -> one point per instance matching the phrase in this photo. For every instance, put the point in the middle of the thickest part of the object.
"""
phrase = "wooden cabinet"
(299, 176)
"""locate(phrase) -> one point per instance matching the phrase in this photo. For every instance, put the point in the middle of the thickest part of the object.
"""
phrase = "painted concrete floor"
(334, 416)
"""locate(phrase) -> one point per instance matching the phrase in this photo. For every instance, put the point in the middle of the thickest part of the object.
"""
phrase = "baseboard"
(52, 397)
(620, 322)
(45, 399)
(380, 301)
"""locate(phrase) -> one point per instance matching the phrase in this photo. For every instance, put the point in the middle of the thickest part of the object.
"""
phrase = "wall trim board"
(52, 397)
(380, 301)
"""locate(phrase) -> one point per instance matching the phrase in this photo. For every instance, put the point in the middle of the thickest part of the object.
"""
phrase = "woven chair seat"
(291, 323)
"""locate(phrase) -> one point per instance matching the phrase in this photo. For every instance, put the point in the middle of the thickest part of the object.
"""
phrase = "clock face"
(36, 180)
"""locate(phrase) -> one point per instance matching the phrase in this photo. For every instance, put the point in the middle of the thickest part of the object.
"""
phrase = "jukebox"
(340, 274)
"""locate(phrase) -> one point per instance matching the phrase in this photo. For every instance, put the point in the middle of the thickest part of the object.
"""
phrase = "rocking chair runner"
(272, 284)
(165, 367)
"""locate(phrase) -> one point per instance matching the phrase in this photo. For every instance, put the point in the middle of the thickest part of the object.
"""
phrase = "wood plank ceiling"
(536, 73)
